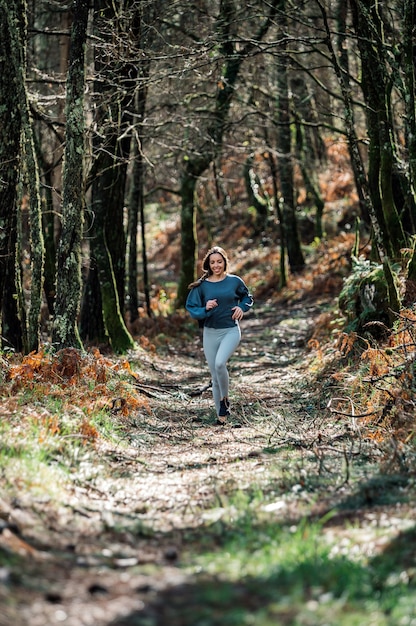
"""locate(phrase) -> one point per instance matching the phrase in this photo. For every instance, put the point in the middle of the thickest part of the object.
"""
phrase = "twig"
(352, 415)
(200, 391)
(148, 389)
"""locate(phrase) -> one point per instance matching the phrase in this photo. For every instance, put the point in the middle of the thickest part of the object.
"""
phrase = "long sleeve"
(246, 299)
(195, 304)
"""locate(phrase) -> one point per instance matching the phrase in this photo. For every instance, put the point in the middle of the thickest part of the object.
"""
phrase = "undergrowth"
(58, 399)
(256, 562)
(370, 385)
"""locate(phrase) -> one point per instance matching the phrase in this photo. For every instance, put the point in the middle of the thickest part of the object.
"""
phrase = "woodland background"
(285, 121)
(134, 135)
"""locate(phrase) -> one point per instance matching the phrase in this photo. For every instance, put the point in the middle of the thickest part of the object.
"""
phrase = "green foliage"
(365, 297)
(290, 574)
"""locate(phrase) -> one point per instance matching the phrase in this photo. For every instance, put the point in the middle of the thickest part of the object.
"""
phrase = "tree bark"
(282, 261)
(10, 129)
(111, 147)
(195, 165)
(310, 148)
(136, 205)
(307, 168)
(188, 229)
(102, 204)
(256, 197)
(17, 12)
(368, 26)
(68, 293)
(408, 64)
(361, 181)
(285, 160)
(91, 324)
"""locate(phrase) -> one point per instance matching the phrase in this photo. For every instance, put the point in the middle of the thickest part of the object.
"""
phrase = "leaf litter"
(105, 544)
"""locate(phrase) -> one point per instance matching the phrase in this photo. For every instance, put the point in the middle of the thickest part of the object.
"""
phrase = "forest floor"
(126, 535)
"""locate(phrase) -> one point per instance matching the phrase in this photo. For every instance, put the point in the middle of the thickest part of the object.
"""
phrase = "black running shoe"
(224, 408)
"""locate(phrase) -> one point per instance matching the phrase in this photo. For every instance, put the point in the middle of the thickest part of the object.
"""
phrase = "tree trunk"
(285, 162)
(188, 230)
(68, 293)
(307, 169)
(136, 206)
(274, 174)
(195, 165)
(103, 202)
(91, 324)
(111, 148)
(368, 26)
(310, 149)
(361, 181)
(17, 12)
(256, 197)
(10, 128)
(340, 62)
(408, 63)
(136, 213)
(48, 224)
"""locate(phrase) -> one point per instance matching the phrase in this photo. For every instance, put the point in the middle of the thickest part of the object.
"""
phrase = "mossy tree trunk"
(376, 191)
(383, 166)
(408, 64)
(103, 203)
(10, 129)
(409, 99)
(107, 250)
(68, 292)
(376, 85)
(37, 251)
(111, 151)
(15, 13)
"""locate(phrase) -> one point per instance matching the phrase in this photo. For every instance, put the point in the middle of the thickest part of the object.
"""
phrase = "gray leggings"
(219, 344)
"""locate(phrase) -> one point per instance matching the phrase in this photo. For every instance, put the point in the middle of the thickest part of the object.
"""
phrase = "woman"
(219, 300)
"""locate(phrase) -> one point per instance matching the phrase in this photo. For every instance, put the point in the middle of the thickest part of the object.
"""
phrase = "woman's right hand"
(211, 304)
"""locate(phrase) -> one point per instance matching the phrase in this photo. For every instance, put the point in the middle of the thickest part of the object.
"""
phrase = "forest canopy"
(221, 113)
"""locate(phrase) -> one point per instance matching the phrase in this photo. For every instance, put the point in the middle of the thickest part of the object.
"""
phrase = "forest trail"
(188, 453)
(106, 550)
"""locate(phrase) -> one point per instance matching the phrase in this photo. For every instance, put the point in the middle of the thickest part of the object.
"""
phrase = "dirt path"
(107, 550)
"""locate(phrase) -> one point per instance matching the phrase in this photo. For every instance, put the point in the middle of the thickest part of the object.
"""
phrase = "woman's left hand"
(237, 313)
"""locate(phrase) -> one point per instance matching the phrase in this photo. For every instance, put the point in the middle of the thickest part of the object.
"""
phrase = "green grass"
(253, 570)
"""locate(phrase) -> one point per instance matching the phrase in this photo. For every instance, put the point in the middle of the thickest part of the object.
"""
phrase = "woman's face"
(216, 264)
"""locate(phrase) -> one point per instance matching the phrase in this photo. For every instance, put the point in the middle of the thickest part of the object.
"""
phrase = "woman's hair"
(206, 267)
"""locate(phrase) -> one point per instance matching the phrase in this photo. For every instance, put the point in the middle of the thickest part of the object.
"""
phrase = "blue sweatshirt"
(229, 292)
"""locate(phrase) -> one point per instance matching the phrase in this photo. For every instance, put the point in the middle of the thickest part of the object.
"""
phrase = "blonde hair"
(206, 267)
